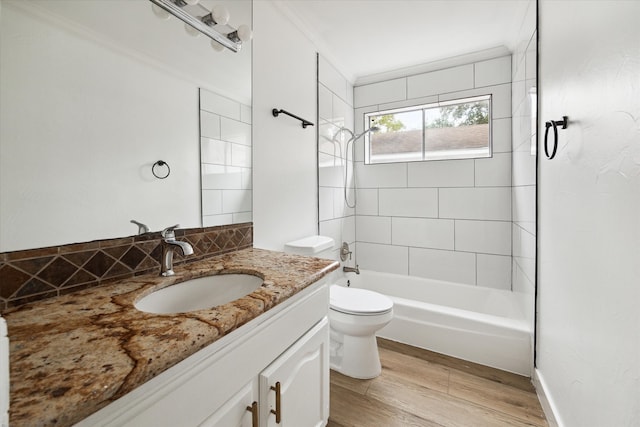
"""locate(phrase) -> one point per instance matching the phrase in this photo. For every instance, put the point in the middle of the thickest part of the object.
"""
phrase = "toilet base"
(355, 356)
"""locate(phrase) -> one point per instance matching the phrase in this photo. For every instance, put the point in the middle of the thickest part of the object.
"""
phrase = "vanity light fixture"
(212, 23)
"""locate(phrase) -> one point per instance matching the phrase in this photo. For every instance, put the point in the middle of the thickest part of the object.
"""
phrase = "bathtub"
(481, 325)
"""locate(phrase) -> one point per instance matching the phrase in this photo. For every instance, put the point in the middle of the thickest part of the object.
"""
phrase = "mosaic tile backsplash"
(36, 274)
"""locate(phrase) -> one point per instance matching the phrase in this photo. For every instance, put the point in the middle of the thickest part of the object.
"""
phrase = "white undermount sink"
(198, 294)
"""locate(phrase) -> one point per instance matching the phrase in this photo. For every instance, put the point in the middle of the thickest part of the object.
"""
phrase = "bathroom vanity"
(91, 358)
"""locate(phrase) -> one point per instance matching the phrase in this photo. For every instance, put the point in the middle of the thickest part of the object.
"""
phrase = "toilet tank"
(316, 246)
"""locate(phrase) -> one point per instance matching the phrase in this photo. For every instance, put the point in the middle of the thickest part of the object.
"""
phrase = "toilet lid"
(358, 301)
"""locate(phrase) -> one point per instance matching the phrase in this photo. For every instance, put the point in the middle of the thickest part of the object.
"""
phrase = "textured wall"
(589, 210)
(285, 184)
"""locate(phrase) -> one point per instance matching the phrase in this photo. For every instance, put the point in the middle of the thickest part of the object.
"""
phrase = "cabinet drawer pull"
(278, 411)
(254, 414)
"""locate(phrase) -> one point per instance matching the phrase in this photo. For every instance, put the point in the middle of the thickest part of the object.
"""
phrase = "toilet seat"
(359, 302)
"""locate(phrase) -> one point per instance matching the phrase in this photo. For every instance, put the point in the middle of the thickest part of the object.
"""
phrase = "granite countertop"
(74, 354)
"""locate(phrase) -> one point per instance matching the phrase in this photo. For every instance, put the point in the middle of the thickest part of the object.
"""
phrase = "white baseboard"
(546, 401)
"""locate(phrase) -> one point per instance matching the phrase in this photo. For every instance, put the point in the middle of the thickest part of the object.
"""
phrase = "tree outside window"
(453, 130)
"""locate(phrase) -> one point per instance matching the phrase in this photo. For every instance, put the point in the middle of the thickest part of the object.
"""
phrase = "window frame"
(427, 156)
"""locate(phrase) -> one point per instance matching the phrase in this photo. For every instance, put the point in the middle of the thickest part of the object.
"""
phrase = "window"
(458, 129)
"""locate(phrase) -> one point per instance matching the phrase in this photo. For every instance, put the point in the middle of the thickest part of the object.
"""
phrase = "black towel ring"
(553, 124)
(160, 163)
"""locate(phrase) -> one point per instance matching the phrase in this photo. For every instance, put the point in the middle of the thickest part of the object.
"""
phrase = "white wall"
(447, 220)
(285, 203)
(589, 213)
(335, 110)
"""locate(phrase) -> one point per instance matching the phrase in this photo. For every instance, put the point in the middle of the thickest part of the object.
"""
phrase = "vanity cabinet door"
(294, 389)
(238, 411)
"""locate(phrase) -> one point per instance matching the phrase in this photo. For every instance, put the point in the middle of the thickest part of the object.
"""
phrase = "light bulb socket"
(242, 34)
(233, 36)
(208, 19)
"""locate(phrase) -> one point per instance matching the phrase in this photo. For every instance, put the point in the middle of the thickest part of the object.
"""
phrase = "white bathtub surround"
(482, 325)
(446, 220)
(523, 198)
(335, 110)
(225, 156)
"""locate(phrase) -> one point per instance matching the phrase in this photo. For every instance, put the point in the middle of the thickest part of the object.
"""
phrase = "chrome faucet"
(355, 269)
(142, 228)
(169, 244)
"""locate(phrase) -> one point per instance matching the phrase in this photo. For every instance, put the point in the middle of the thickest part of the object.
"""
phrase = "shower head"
(371, 129)
(354, 136)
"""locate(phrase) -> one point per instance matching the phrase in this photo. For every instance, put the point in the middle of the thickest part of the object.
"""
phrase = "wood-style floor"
(421, 388)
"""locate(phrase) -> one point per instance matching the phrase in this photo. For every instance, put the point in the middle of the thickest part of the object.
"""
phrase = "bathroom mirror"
(92, 94)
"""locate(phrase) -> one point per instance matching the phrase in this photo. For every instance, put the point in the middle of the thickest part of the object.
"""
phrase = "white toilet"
(355, 315)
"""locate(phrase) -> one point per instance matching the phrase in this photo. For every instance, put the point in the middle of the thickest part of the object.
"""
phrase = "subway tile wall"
(225, 152)
(36, 274)
(449, 220)
(335, 110)
(524, 67)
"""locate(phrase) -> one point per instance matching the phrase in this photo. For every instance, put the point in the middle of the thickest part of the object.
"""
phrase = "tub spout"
(355, 269)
